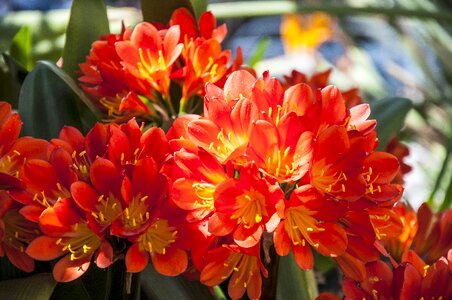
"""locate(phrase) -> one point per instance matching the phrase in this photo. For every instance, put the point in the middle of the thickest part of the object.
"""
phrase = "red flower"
(228, 119)
(282, 151)
(16, 233)
(159, 241)
(14, 150)
(68, 235)
(46, 182)
(309, 219)
(149, 55)
(113, 89)
(245, 206)
(244, 265)
(83, 150)
(128, 144)
(337, 165)
(194, 190)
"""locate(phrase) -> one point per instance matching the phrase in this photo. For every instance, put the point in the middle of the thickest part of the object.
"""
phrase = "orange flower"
(244, 265)
(194, 190)
(14, 150)
(150, 54)
(282, 151)
(113, 88)
(245, 207)
(160, 242)
(16, 233)
(309, 219)
(228, 119)
(68, 235)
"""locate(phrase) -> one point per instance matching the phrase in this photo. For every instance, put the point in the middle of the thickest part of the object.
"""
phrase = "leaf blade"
(39, 286)
(161, 11)
(87, 22)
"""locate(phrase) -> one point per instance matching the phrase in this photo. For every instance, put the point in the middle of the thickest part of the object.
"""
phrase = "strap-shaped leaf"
(88, 21)
(38, 287)
(390, 114)
(20, 48)
(200, 6)
(293, 282)
(161, 11)
(47, 103)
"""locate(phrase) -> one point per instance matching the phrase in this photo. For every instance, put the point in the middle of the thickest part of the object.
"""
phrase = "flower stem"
(293, 282)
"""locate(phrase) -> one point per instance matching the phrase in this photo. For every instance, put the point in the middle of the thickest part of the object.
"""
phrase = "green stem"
(442, 172)
(273, 8)
(172, 111)
(293, 282)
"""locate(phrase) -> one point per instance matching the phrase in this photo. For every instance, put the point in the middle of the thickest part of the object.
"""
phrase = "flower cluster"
(266, 169)
(130, 74)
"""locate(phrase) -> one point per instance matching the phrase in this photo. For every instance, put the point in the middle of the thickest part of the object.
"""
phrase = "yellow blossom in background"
(305, 32)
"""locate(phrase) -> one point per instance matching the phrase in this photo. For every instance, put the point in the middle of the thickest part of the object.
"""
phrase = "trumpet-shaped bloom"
(128, 144)
(194, 190)
(228, 119)
(67, 235)
(309, 220)
(113, 89)
(16, 233)
(245, 206)
(284, 151)
(159, 242)
(242, 265)
(14, 150)
(149, 55)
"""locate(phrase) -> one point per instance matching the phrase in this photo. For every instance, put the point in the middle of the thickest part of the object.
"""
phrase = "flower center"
(205, 192)
(225, 144)
(280, 164)
(370, 180)
(8, 162)
(81, 243)
(81, 164)
(299, 224)
(137, 213)
(328, 180)
(108, 209)
(251, 208)
(157, 237)
(19, 232)
(245, 266)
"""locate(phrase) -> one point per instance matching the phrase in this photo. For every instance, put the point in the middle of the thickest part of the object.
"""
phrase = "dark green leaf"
(20, 48)
(200, 6)
(390, 114)
(37, 287)
(16, 70)
(73, 290)
(88, 21)
(159, 287)
(439, 179)
(259, 53)
(46, 103)
(9, 271)
(447, 202)
(161, 11)
(293, 282)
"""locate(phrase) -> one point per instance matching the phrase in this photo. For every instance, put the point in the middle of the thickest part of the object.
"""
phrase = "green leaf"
(73, 290)
(447, 202)
(439, 179)
(259, 53)
(161, 11)
(200, 6)
(390, 114)
(37, 287)
(88, 21)
(293, 282)
(47, 103)
(160, 287)
(20, 48)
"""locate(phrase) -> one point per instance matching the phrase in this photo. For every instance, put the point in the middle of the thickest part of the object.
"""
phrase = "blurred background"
(385, 48)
